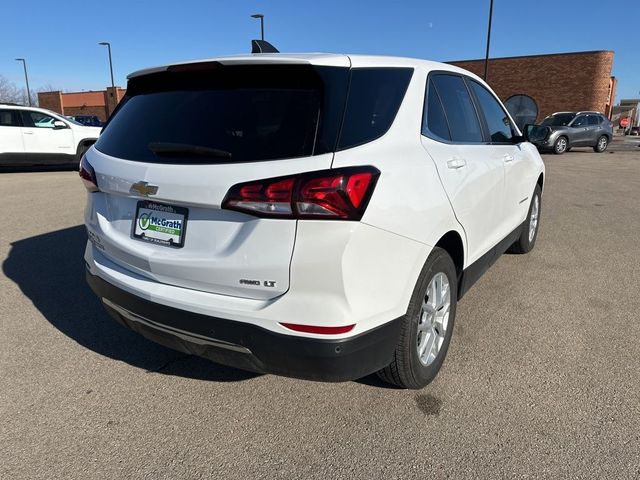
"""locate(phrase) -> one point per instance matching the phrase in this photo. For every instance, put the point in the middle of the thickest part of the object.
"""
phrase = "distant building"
(100, 103)
(629, 109)
(535, 86)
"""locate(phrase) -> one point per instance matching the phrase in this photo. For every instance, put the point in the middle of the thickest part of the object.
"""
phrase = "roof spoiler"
(260, 46)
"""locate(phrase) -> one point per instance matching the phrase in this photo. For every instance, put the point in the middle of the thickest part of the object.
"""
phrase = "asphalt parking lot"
(542, 378)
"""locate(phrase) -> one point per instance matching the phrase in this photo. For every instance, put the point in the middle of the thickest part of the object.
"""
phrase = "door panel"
(39, 136)
(473, 177)
(10, 133)
(580, 135)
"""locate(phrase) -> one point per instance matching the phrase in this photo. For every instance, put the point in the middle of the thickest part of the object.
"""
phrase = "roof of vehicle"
(577, 113)
(24, 107)
(324, 59)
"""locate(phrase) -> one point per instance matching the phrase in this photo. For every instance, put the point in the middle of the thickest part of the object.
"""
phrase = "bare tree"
(11, 93)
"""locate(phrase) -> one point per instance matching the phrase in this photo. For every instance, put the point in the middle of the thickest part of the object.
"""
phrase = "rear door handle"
(507, 158)
(456, 163)
(28, 133)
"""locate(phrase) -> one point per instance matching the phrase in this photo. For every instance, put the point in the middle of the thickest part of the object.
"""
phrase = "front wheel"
(601, 146)
(427, 326)
(530, 227)
(561, 145)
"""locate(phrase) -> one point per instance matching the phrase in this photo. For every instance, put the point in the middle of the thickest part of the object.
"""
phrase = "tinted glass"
(37, 119)
(9, 118)
(461, 114)
(434, 119)
(558, 120)
(581, 121)
(594, 120)
(497, 120)
(523, 110)
(253, 112)
(375, 95)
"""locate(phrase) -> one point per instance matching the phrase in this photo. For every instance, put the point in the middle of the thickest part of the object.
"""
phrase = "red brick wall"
(51, 101)
(559, 82)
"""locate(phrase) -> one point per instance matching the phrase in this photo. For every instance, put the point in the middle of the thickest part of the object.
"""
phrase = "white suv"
(35, 136)
(315, 216)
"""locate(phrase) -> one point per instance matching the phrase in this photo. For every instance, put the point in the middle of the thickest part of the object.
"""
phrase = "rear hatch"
(180, 139)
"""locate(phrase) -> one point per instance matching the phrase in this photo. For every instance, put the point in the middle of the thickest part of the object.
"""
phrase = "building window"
(523, 109)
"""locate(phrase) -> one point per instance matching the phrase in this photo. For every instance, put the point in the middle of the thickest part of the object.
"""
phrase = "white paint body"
(44, 139)
(326, 273)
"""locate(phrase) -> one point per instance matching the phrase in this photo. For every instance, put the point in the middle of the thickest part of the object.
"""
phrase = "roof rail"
(260, 46)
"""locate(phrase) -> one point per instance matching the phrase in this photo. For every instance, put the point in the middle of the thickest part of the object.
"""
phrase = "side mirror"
(535, 133)
(59, 124)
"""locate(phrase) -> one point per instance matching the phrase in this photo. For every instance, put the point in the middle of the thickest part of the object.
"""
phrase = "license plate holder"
(160, 223)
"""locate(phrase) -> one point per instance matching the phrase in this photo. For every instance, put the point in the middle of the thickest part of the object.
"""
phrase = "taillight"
(340, 194)
(88, 176)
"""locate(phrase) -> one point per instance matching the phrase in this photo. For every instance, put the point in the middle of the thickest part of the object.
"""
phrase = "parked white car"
(316, 216)
(35, 136)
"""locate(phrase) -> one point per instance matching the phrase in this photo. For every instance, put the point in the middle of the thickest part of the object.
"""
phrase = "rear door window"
(9, 118)
(594, 120)
(375, 95)
(581, 121)
(228, 114)
(459, 109)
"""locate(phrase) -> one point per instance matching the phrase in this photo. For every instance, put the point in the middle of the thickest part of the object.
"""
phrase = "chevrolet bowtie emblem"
(143, 188)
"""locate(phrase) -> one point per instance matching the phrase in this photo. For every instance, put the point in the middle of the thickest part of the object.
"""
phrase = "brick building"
(556, 82)
(100, 103)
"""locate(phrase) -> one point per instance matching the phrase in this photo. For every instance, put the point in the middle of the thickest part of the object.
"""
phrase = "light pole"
(26, 78)
(108, 45)
(486, 58)
(261, 17)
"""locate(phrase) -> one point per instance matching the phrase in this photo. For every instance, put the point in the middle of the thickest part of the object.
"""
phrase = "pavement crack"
(167, 364)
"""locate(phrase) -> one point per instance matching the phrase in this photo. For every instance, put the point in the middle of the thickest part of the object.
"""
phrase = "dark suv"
(576, 129)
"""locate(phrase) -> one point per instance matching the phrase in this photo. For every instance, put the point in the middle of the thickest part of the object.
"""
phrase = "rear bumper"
(247, 346)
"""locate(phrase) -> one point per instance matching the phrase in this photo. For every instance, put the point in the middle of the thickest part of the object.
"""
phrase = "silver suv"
(576, 129)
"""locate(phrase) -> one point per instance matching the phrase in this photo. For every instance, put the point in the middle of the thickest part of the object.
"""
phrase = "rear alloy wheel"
(601, 146)
(560, 146)
(428, 325)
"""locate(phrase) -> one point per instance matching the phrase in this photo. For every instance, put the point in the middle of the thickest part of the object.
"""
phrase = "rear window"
(375, 95)
(228, 114)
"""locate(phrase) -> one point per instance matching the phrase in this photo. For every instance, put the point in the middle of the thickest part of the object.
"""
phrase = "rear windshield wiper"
(168, 149)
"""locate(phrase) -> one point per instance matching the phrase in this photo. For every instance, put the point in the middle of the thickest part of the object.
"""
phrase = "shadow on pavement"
(49, 269)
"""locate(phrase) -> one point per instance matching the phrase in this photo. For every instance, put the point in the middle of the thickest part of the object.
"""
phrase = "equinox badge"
(143, 188)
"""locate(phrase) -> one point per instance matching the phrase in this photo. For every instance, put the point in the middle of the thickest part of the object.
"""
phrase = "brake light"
(340, 194)
(316, 329)
(88, 176)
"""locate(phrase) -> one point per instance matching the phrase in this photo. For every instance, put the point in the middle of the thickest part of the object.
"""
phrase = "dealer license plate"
(160, 224)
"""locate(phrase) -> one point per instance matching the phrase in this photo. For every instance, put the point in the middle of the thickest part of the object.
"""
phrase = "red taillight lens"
(340, 194)
(316, 329)
(88, 176)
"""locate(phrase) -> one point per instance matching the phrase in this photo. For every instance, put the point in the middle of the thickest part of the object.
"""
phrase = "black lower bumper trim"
(250, 347)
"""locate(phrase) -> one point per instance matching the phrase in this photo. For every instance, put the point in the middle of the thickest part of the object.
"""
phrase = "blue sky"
(60, 38)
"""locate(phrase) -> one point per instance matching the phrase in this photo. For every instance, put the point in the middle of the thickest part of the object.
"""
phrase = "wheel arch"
(452, 243)
(85, 142)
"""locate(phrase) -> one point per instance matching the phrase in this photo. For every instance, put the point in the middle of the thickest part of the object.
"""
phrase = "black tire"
(602, 144)
(561, 145)
(82, 148)
(524, 244)
(406, 369)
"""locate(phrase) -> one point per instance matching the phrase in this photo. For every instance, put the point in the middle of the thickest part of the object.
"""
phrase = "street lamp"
(486, 58)
(108, 45)
(26, 78)
(261, 17)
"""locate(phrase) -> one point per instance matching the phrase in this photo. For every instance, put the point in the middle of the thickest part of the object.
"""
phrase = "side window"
(459, 109)
(593, 119)
(497, 120)
(581, 121)
(375, 95)
(434, 119)
(37, 119)
(9, 118)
